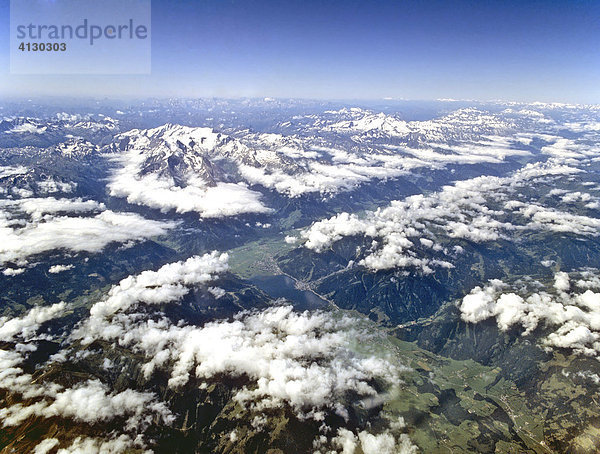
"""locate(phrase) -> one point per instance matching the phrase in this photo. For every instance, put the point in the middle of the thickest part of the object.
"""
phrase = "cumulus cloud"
(475, 210)
(27, 325)
(21, 192)
(568, 150)
(170, 283)
(88, 401)
(577, 196)
(570, 318)
(320, 178)
(217, 292)
(24, 329)
(457, 210)
(385, 444)
(347, 442)
(298, 359)
(91, 402)
(51, 186)
(118, 444)
(588, 279)
(345, 170)
(294, 166)
(13, 378)
(561, 281)
(302, 360)
(559, 221)
(55, 269)
(479, 304)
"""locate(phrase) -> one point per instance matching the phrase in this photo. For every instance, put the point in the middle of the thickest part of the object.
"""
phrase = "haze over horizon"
(513, 51)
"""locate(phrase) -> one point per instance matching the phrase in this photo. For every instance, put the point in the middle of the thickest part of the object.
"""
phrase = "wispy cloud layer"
(36, 225)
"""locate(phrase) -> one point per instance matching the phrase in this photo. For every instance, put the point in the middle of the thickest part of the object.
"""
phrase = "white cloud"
(14, 379)
(21, 192)
(88, 401)
(298, 359)
(303, 360)
(559, 221)
(346, 442)
(26, 128)
(568, 150)
(27, 325)
(571, 319)
(221, 200)
(117, 445)
(589, 279)
(474, 210)
(51, 186)
(169, 284)
(89, 234)
(479, 304)
(561, 281)
(38, 207)
(8, 171)
(92, 402)
(217, 292)
(46, 445)
(349, 169)
(55, 269)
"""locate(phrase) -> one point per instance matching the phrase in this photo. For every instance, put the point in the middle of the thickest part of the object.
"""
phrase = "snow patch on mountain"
(168, 168)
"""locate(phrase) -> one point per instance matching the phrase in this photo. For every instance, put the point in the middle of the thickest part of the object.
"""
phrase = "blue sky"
(333, 49)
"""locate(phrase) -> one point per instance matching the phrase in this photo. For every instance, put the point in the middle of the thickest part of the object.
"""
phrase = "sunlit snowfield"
(239, 276)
